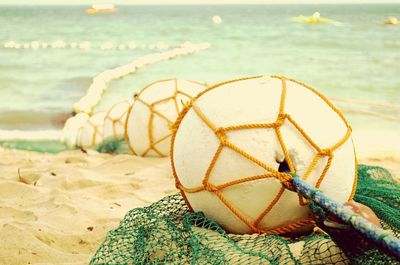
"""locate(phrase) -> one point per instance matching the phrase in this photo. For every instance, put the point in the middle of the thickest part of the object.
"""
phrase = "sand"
(57, 209)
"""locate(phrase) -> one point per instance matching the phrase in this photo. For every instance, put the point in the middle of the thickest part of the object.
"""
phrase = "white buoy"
(154, 110)
(217, 20)
(234, 144)
(9, 44)
(107, 46)
(35, 45)
(316, 15)
(91, 134)
(58, 44)
(114, 121)
(71, 127)
(84, 45)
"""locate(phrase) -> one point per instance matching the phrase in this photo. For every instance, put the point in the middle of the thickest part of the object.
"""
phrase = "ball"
(91, 133)
(153, 112)
(233, 148)
(114, 121)
(71, 128)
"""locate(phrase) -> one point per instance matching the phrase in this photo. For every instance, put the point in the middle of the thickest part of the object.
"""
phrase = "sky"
(120, 2)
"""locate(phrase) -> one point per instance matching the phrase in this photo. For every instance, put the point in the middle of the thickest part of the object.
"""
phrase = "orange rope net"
(153, 113)
(284, 178)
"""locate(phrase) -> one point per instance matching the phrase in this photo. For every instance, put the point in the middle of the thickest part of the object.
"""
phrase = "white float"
(91, 133)
(69, 133)
(35, 45)
(236, 124)
(114, 121)
(153, 112)
(217, 20)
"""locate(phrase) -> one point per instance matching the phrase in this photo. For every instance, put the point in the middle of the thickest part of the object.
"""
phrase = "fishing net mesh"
(166, 232)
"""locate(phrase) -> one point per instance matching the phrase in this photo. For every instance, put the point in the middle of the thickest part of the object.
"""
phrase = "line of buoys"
(99, 84)
(84, 107)
(85, 45)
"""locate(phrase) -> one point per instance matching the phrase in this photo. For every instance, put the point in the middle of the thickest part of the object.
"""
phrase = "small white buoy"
(217, 20)
(84, 45)
(107, 46)
(316, 15)
(58, 44)
(9, 44)
(35, 45)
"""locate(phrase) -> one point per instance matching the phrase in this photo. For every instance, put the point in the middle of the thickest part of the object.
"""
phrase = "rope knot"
(281, 118)
(209, 187)
(221, 135)
(286, 180)
(325, 152)
(186, 104)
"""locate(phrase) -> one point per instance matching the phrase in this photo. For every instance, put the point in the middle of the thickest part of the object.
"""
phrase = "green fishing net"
(113, 146)
(166, 232)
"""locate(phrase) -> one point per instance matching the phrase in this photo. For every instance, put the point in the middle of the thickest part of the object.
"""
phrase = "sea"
(354, 61)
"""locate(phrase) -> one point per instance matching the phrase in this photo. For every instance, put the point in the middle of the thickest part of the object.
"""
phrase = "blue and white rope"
(366, 228)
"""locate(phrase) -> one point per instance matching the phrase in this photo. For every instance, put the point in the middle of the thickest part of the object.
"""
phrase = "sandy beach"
(57, 209)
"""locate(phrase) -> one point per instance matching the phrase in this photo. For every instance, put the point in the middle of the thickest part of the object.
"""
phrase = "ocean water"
(357, 59)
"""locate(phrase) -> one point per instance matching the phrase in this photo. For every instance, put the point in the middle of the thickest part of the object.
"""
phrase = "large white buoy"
(91, 133)
(114, 121)
(233, 146)
(153, 112)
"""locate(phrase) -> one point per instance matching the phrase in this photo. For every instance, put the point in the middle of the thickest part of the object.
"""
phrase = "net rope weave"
(284, 178)
(167, 232)
(121, 119)
(153, 112)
